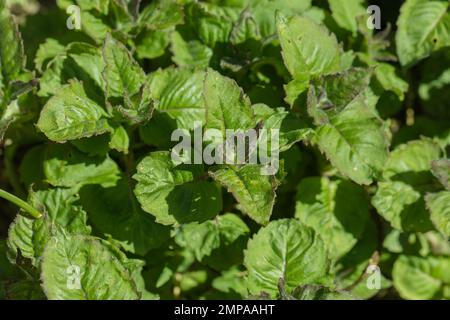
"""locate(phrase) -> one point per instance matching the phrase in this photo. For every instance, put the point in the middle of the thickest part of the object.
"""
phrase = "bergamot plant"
(98, 202)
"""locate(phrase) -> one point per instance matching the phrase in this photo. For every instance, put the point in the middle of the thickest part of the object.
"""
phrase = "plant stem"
(20, 203)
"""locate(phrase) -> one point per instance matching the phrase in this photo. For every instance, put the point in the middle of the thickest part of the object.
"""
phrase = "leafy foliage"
(357, 208)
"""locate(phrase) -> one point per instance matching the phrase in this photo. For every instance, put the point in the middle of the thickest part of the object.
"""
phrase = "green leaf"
(46, 52)
(262, 13)
(403, 206)
(218, 242)
(122, 74)
(178, 92)
(411, 162)
(418, 278)
(346, 12)
(120, 140)
(337, 210)
(161, 14)
(189, 53)
(8, 116)
(94, 26)
(101, 6)
(12, 59)
(59, 209)
(441, 170)
(151, 44)
(211, 23)
(233, 282)
(175, 193)
(227, 107)
(330, 94)
(79, 267)
(291, 129)
(308, 48)
(355, 142)
(423, 27)
(389, 80)
(288, 250)
(254, 191)
(79, 60)
(71, 115)
(65, 166)
(438, 204)
(114, 211)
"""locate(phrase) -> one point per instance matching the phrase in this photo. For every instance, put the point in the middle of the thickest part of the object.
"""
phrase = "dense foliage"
(360, 205)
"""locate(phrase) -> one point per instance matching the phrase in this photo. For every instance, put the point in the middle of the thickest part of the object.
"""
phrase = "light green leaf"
(65, 166)
(337, 210)
(161, 14)
(399, 199)
(79, 60)
(418, 278)
(94, 26)
(227, 107)
(389, 80)
(218, 242)
(291, 129)
(175, 193)
(191, 53)
(288, 250)
(233, 282)
(411, 162)
(307, 48)
(59, 210)
(439, 206)
(355, 142)
(178, 92)
(70, 115)
(254, 191)
(403, 206)
(47, 51)
(345, 13)
(79, 267)
(151, 44)
(12, 60)
(120, 140)
(423, 27)
(212, 23)
(8, 115)
(101, 6)
(122, 73)
(263, 13)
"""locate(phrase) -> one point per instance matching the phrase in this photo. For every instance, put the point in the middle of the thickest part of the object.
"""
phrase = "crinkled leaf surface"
(423, 27)
(102, 271)
(307, 48)
(218, 242)
(254, 191)
(70, 115)
(337, 210)
(288, 250)
(175, 193)
(355, 142)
